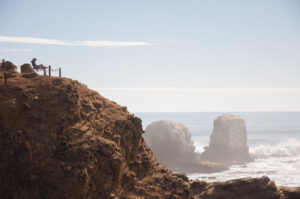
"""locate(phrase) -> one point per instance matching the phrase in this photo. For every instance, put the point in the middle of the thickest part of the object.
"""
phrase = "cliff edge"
(59, 139)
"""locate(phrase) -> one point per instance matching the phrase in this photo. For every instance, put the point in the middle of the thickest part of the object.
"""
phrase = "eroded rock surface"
(8, 66)
(27, 68)
(228, 142)
(58, 139)
(256, 188)
(170, 141)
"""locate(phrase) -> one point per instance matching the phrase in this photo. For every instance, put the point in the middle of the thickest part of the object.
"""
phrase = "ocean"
(273, 139)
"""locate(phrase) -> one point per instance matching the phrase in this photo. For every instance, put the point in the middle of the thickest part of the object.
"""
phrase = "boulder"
(27, 68)
(8, 66)
(228, 142)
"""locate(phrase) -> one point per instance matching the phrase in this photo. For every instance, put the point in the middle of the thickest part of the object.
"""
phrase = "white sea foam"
(286, 148)
(280, 162)
(199, 147)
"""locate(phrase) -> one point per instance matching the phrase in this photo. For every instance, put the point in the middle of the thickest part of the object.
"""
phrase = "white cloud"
(35, 40)
(111, 43)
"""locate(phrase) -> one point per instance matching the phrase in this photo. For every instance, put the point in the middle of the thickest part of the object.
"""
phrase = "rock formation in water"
(173, 147)
(58, 139)
(228, 142)
(170, 141)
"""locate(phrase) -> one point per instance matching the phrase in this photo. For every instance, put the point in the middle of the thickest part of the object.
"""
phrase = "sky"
(165, 56)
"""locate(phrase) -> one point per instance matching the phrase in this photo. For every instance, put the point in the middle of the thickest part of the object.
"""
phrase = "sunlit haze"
(165, 56)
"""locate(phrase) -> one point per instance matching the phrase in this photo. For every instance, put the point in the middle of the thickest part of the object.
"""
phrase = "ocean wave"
(199, 147)
(286, 148)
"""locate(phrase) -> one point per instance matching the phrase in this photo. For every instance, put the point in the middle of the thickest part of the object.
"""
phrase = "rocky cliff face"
(58, 139)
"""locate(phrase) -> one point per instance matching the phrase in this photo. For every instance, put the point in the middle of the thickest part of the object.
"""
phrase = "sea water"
(273, 139)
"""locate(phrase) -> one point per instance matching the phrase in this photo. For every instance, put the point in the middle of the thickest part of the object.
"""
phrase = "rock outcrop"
(58, 139)
(8, 66)
(257, 188)
(27, 68)
(173, 147)
(228, 142)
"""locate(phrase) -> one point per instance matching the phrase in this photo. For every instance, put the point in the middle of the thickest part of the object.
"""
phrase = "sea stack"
(170, 142)
(228, 142)
(173, 147)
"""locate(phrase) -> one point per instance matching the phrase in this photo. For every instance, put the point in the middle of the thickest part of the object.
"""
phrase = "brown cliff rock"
(247, 188)
(8, 66)
(58, 139)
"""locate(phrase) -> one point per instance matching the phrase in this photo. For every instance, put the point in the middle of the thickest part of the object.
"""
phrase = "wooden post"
(44, 69)
(5, 77)
(49, 71)
(59, 72)
(2, 63)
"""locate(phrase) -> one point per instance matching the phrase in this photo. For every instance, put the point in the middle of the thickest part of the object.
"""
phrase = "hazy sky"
(192, 55)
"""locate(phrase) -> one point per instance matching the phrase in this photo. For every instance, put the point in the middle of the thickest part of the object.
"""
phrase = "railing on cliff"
(45, 69)
(50, 70)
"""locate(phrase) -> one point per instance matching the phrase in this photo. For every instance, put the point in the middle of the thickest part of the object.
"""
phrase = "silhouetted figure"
(37, 67)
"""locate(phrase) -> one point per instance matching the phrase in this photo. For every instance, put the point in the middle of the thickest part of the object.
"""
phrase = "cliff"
(59, 139)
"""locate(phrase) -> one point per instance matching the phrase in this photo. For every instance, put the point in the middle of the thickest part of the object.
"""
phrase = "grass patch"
(182, 176)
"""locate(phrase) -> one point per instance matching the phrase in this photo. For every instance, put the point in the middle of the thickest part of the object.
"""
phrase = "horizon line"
(207, 89)
(287, 111)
